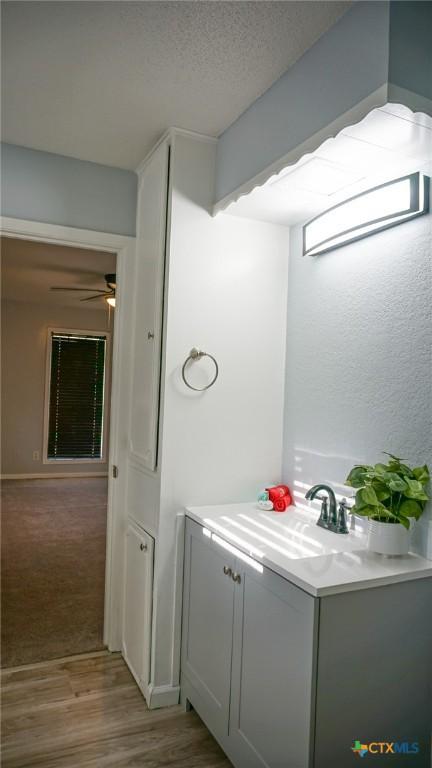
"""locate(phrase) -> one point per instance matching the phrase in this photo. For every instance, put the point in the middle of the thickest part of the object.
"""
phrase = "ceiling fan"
(107, 293)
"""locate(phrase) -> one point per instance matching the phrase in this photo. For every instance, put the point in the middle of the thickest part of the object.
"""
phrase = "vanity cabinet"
(248, 639)
(284, 679)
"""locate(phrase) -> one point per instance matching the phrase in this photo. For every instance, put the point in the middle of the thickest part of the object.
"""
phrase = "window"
(75, 408)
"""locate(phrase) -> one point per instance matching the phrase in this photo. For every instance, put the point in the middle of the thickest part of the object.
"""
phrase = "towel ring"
(197, 354)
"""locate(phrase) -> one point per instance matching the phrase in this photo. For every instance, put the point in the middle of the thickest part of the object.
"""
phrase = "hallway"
(88, 713)
(53, 568)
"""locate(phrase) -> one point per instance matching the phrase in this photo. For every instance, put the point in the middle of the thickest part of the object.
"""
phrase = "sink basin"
(293, 533)
(291, 544)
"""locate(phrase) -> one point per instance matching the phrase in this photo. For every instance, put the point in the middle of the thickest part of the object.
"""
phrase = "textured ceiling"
(102, 81)
(29, 269)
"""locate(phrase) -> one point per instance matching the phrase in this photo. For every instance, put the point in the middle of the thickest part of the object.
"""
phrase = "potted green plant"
(392, 496)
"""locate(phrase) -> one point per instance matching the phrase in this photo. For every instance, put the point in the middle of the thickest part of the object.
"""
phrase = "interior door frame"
(124, 248)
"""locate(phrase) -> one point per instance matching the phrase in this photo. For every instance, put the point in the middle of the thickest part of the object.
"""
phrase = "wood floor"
(89, 713)
(53, 568)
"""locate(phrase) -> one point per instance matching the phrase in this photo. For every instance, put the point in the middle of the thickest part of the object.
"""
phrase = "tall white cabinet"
(218, 284)
(142, 502)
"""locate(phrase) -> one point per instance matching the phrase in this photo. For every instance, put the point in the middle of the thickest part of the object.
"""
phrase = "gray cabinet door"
(272, 671)
(374, 676)
(207, 626)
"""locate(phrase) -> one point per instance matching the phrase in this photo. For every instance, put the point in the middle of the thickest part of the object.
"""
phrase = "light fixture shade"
(111, 301)
(372, 211)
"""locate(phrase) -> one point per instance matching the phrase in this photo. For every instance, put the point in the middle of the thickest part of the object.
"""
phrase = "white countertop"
(291, 544)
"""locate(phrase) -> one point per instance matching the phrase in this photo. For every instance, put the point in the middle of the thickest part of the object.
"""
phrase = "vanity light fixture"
(111, 301)
(372, 211)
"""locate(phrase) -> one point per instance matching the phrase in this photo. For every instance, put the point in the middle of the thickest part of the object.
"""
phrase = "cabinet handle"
(227, 570)
(236, 577)
(143, 547)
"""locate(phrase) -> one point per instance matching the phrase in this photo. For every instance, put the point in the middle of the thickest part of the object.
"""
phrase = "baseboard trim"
(156, 696)
(162, 696)
(52, 475)
(55, 662)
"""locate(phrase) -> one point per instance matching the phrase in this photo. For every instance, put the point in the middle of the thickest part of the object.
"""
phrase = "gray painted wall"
(41, 186)
(344, 66)
(359, 358)
(23, 371)
(410, 64)
(373, 44)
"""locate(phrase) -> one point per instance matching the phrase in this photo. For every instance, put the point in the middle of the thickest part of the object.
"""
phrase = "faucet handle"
(349, 509)
(341, 526)
(324, 516)
(346, 500)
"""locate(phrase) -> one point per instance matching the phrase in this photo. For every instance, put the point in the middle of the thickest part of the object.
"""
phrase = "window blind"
(76, 401)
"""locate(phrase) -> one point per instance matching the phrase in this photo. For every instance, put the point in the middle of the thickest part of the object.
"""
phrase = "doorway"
(56, 385)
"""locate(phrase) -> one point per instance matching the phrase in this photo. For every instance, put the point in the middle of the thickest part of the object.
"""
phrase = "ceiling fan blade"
(110, 280)
(91, 290)
(98, 296)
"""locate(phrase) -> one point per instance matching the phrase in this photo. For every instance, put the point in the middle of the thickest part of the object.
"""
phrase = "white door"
(149, 287)
(138, 603)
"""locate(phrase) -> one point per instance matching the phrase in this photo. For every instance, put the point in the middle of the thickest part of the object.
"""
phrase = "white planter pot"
(388, 538)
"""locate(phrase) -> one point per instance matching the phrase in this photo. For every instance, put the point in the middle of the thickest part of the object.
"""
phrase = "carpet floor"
(53, 568)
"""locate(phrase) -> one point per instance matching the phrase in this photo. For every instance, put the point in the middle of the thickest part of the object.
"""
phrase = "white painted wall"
(227, 286)
(359, 358)
(23, 361)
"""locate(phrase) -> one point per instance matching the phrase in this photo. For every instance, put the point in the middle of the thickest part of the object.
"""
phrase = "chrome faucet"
(330, 518)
